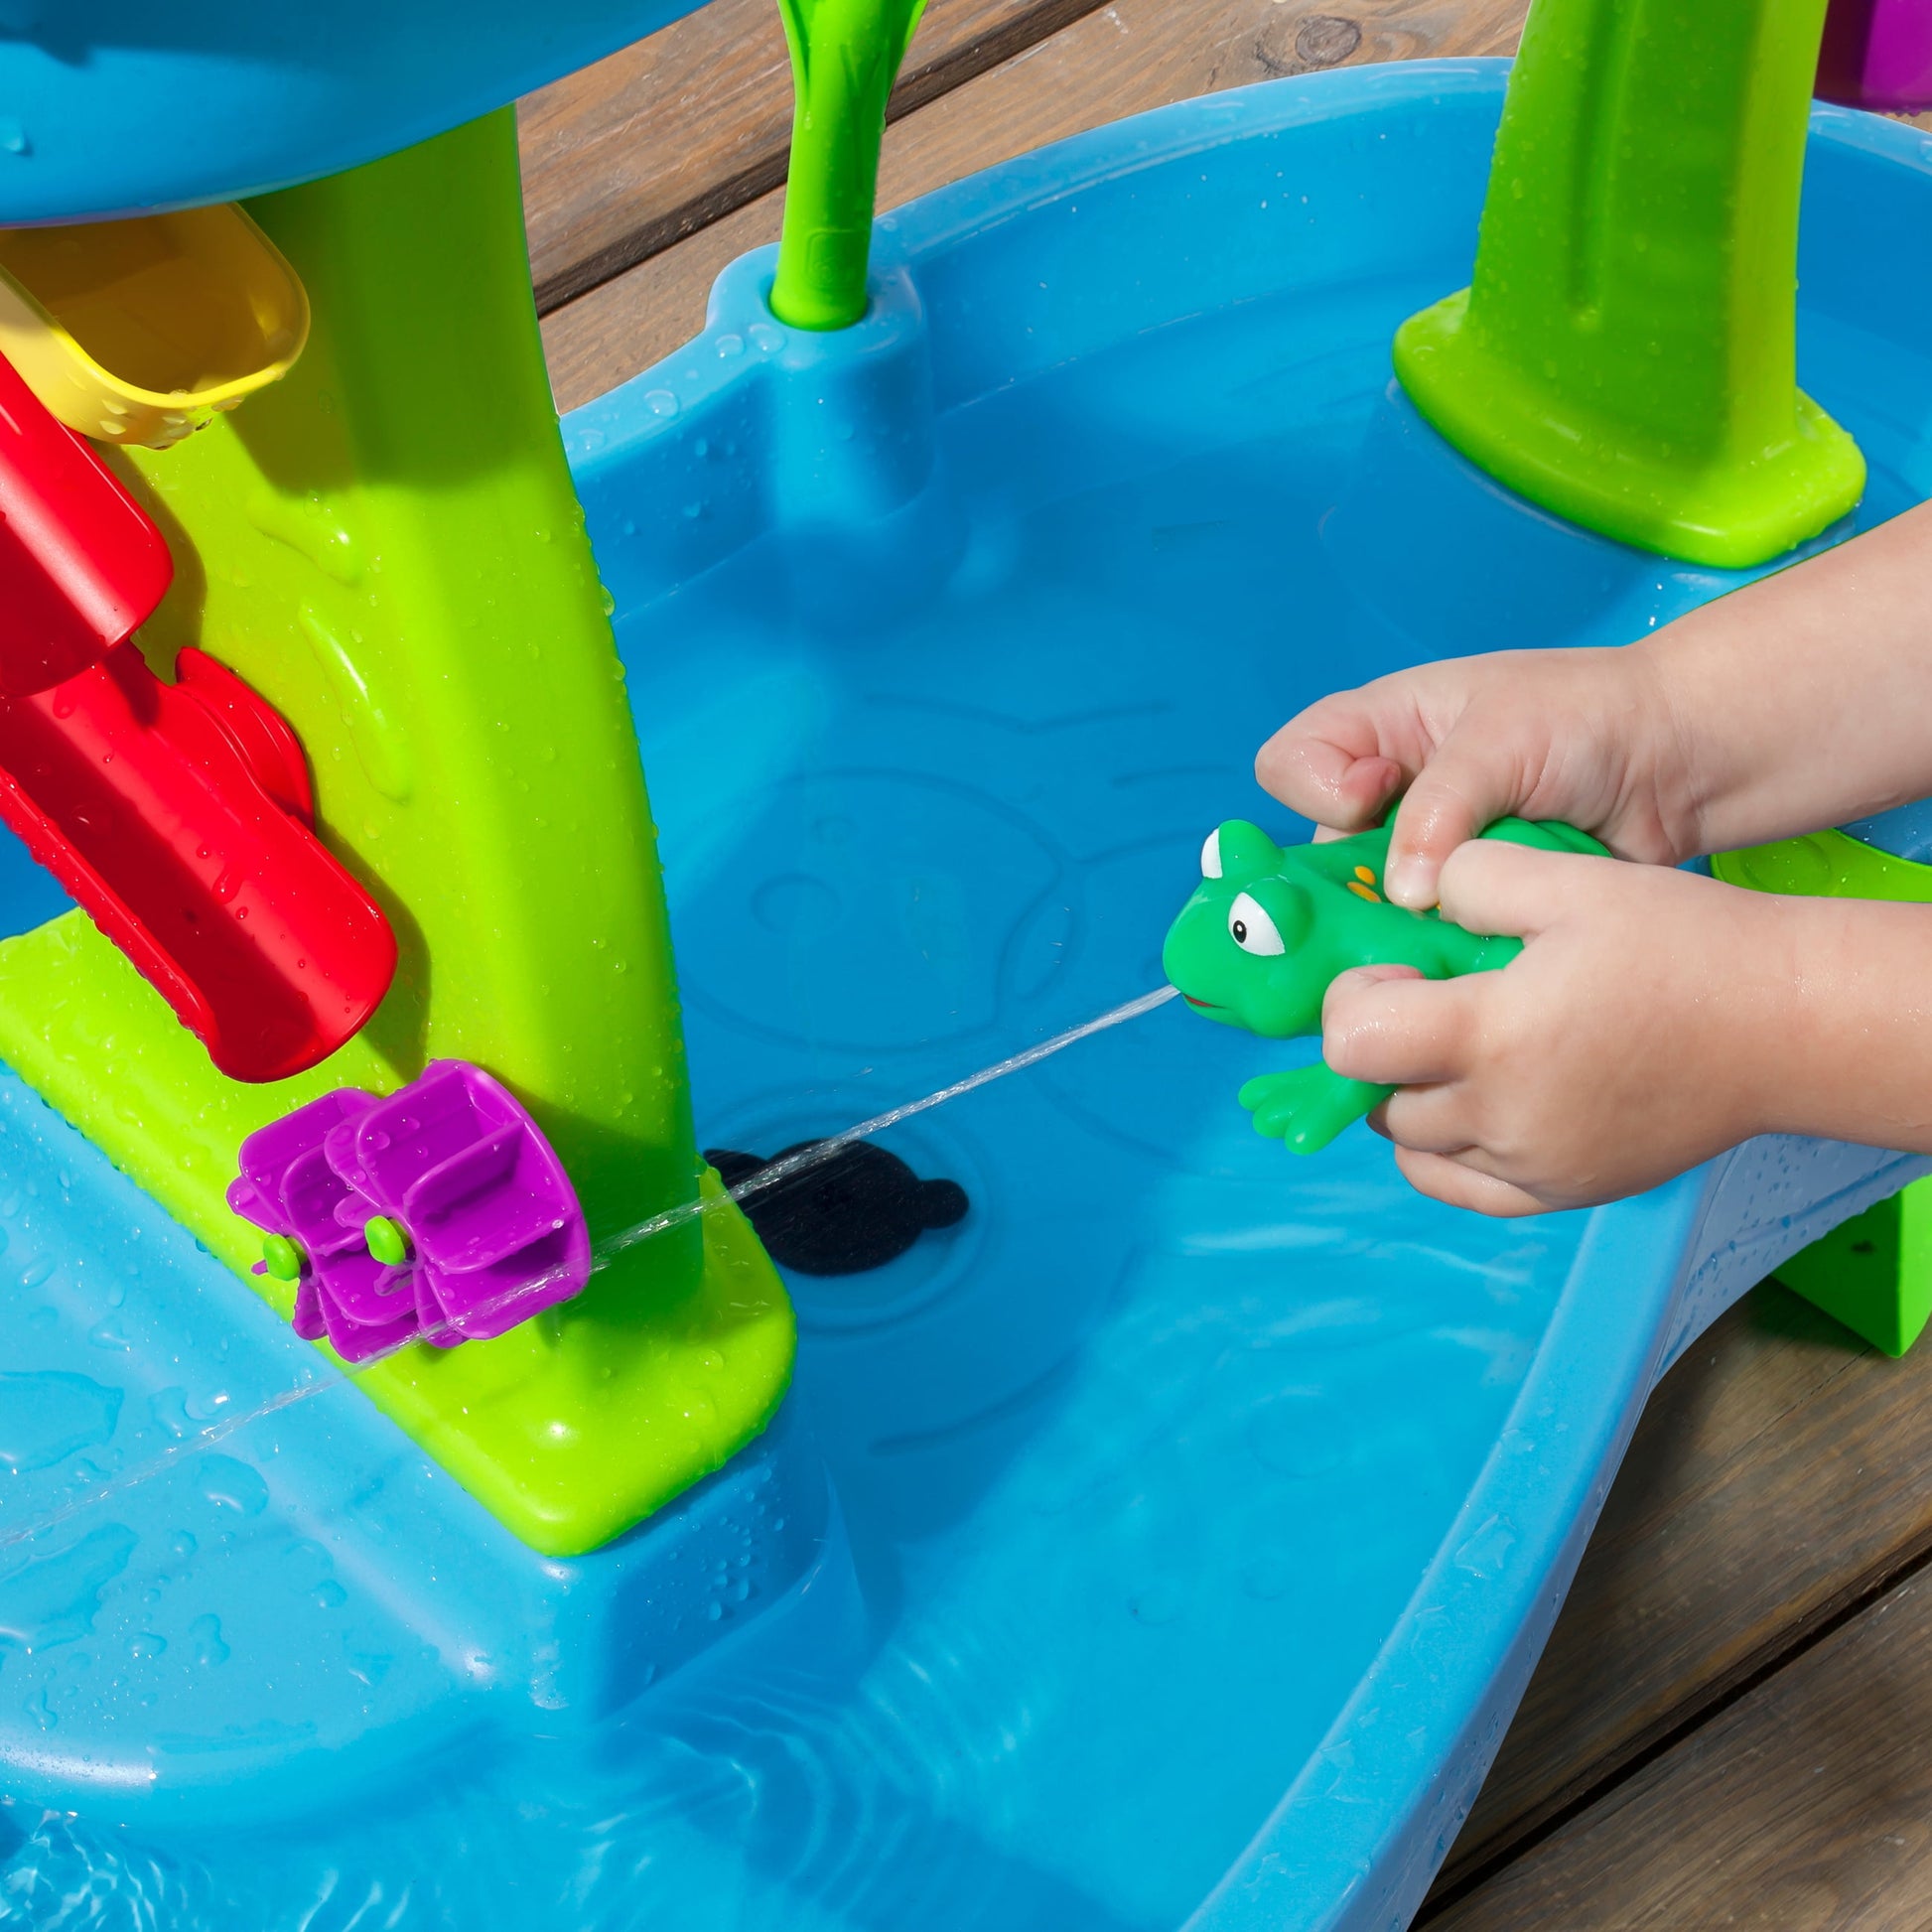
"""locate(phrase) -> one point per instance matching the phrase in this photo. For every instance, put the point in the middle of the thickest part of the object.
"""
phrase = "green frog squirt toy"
(1269, 928)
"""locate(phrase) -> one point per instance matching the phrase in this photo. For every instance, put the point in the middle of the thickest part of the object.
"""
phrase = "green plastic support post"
(388, 545)
(1874, 1273)
(844, 57)
(1626, 354)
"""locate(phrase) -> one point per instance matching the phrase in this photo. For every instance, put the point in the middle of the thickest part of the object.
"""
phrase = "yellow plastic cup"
(141, 331)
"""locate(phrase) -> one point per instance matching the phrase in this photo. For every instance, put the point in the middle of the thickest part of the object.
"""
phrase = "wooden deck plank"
(1130, 55)
(1781, 1472)
(1806, 1807)
(625, 157)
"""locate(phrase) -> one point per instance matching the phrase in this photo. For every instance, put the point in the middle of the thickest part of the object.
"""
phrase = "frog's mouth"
(1212, 1005)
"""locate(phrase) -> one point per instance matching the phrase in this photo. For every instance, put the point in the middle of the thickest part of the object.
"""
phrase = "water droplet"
(14, 138)
(46, 1418)
(331, 1595)
(37, 1272)
(229, 1484)
(169, 1407)
(729, 345)
(150, 1643)
(205, 1636)
(183, 1544)
(1486, 1553)
(764, 337)
(57, 1599)
(660, 402)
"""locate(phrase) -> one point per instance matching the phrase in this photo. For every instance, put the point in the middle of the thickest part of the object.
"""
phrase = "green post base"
(388, 545)
(569, 1428)
(1874, 1273)
(1626, 354)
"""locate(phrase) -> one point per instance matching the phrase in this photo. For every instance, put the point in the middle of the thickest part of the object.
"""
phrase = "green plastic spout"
(844, 57)
(1626, 354)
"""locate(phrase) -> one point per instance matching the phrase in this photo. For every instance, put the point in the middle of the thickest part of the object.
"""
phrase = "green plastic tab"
(282, 1257)
(385, 1241)
(388, 547)
(1874, 1273)
(844, 56)
(1626, 354)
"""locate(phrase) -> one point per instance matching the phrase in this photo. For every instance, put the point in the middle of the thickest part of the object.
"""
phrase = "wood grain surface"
(623, 158)
(1805, 1807)
(1781, 1473)
(1127, 57)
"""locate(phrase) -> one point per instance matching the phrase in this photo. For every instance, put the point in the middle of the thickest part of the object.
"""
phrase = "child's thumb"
(1493, 886)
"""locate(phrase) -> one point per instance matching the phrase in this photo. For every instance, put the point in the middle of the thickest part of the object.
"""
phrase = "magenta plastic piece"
(493, 1224)
(1878, 53)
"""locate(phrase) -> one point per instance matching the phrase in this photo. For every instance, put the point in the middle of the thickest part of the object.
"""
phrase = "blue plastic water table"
(1170, 1542)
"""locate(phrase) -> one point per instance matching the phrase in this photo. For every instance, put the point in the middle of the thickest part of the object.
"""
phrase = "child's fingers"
(1329, 765)
(1458, 793)
(1389, 1026)
(1445, 1178)
(1491, 886)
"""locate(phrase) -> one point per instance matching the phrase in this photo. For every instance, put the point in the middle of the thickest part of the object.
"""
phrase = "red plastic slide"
(179, 815)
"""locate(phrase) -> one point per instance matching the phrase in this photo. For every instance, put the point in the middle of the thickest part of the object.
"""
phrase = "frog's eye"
(1210, 855)
(1251, 929)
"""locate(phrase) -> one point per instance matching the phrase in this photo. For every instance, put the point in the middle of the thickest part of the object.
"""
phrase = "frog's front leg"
(1308, 1106)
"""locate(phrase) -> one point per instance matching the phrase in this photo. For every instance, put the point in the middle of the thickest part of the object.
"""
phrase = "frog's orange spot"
(1364, 875)
(1363, 891)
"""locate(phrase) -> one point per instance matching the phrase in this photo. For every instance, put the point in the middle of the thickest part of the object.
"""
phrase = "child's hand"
(1583, 736)
(1646, 1025)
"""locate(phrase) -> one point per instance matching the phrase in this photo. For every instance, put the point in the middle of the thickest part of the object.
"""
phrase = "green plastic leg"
(1626, 355)
(388, 547)
(1874, 1273)
(843, 55)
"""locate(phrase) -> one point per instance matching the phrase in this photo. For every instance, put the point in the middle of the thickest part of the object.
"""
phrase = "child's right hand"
(1587, 736)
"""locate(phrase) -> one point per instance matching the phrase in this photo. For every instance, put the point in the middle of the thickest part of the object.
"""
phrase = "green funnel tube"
(1626, 355)
(844, 57)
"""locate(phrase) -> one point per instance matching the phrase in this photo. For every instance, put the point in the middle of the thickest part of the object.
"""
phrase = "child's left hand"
(1639, 1031)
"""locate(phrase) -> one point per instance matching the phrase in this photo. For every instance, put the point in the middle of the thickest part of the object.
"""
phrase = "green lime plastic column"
(844, 56)
(388, 545)
(1625, 355)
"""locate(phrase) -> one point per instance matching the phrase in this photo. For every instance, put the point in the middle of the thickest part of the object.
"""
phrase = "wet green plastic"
(1874, 1273)
(1270, 927)
(844, 57)
(389, 548)
(1626, 353)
